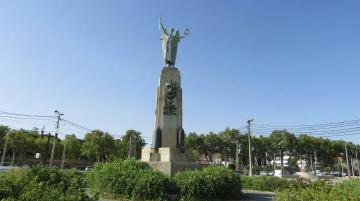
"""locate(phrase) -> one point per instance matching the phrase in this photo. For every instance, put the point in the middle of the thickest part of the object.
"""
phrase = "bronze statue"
(170, 43)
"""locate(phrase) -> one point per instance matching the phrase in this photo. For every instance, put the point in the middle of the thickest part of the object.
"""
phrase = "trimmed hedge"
(127, 179)
(266, 183)
(41, 183)
(322, 191)
(211, 183)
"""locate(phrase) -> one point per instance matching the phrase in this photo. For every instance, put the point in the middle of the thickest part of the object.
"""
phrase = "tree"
(73, 147)
(137, 143)
(196, 144)
(283, 142)
(260, 149)
(228, 144)
(213, 144)
(98, 145)
(3, 131)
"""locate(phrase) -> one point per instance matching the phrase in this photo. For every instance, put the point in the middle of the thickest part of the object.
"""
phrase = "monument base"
(168, 160)
(164, 154)
(170, 168)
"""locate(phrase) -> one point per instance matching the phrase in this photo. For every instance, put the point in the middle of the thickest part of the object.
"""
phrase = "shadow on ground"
(257, 195)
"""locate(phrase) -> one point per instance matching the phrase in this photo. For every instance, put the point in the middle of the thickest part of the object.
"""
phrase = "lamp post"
(249, 139)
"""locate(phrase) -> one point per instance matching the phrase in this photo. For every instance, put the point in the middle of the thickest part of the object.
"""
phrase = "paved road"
(258, 195)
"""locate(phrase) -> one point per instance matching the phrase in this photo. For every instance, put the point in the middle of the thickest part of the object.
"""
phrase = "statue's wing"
(161, 27)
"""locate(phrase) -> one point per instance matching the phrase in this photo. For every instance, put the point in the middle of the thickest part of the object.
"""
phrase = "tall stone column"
(168, 114)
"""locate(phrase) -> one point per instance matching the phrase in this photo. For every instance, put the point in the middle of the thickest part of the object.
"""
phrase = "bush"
(265, 183)
(150, 184)
(322, 191)
(128, 179)
(212, 183)
(12, 182)
(42, 184)
(191, 184)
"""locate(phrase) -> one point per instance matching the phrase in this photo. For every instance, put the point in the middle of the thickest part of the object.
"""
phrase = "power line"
(327, 130)
(26, 115)
(340, 123)
(27, 118)
(76, 125)
(339, 135)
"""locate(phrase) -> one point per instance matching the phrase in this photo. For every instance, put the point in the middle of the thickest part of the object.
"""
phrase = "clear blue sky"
(279, 62)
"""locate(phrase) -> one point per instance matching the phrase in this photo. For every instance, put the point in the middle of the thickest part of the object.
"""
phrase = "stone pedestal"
(167, 152)
(164, 154)
(168, 160)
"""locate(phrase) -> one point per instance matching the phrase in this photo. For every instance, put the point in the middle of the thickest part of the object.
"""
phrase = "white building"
(278, 161)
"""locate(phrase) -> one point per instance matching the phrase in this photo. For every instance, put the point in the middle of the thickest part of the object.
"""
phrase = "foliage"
(42, 184)
(265, 183)
(3, 131)
(322, 191)
(101, 146)
(73, 147)
(127, 179)
(98, 145)
(138, 143)
(211, 183)
(282, 141)
(150, 184)
(212, 143)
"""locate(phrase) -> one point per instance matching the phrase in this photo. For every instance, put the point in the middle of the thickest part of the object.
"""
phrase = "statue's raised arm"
(162, 28)
(186, 32)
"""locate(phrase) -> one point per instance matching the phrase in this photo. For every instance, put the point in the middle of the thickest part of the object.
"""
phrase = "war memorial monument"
(167, 152)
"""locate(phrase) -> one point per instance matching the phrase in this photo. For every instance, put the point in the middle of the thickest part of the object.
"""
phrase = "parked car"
(263, 173)
(335, 174)
(6, 168)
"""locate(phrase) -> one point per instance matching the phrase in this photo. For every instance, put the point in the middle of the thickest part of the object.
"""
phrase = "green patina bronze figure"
(170, 43)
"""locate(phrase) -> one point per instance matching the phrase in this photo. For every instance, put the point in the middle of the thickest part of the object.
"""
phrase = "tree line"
(100, 146)
(279, 143)
(96, 146)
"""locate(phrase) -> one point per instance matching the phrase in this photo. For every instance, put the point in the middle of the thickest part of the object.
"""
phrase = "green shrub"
(211, 183)
(191, 184)
(12, 182)
(322, 191)
(127, 179)
(150, 184)
(42, 184)
(265, 183)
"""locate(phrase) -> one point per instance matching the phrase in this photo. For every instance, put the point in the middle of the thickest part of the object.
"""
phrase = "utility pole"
(311, 163)
(58, 114)
(63, 154)
(342, 167)
(316, 164)
(134, 152)
(249, 138)
(237, 155)
(130, 146)
(5, 147)
(47, 148)
(352, 166)
(347, 161)
(357, 162)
